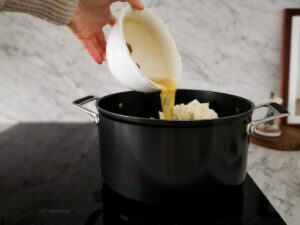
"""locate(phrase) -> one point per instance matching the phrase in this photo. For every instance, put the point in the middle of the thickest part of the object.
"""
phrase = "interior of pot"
(146, 105)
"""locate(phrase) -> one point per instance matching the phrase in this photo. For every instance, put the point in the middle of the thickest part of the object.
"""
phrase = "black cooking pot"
(152, 160)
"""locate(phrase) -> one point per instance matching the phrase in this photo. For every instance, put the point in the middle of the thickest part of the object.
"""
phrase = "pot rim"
(173, 123)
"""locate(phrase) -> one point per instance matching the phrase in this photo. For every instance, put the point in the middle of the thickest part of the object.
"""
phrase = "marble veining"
(277, 173)
(229, 46)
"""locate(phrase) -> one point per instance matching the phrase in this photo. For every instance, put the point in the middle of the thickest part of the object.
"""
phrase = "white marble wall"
(226, 45)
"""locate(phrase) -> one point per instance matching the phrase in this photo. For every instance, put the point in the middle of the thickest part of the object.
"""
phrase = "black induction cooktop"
(50, 174)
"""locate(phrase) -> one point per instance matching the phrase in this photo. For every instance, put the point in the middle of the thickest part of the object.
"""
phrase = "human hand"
(88, 22)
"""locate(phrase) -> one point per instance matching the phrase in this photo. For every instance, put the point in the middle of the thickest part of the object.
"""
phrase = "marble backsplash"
(230, 46)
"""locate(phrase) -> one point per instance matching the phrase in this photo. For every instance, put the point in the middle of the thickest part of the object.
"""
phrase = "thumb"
(112, 20)
(136, 4)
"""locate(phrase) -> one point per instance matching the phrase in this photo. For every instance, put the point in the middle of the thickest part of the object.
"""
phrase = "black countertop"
(50, 174)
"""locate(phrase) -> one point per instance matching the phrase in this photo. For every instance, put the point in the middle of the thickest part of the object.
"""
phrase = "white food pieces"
(192, 111)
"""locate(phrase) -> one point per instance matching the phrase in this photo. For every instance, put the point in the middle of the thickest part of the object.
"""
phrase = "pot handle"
(277, 112)
(82, 101)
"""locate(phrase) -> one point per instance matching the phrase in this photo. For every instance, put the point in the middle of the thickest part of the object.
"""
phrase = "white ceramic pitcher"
(154, 53)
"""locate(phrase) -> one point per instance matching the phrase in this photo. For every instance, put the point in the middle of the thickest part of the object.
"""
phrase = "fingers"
(136, 4)
(93, 40)
(92, 49)
(101, 43)
(112, 20)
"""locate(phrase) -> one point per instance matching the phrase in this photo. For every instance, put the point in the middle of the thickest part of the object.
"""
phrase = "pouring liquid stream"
(167, 95)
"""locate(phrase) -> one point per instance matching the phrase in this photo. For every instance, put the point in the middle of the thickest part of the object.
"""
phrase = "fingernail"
(141, 5)
(103, 55)
(98, 60)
